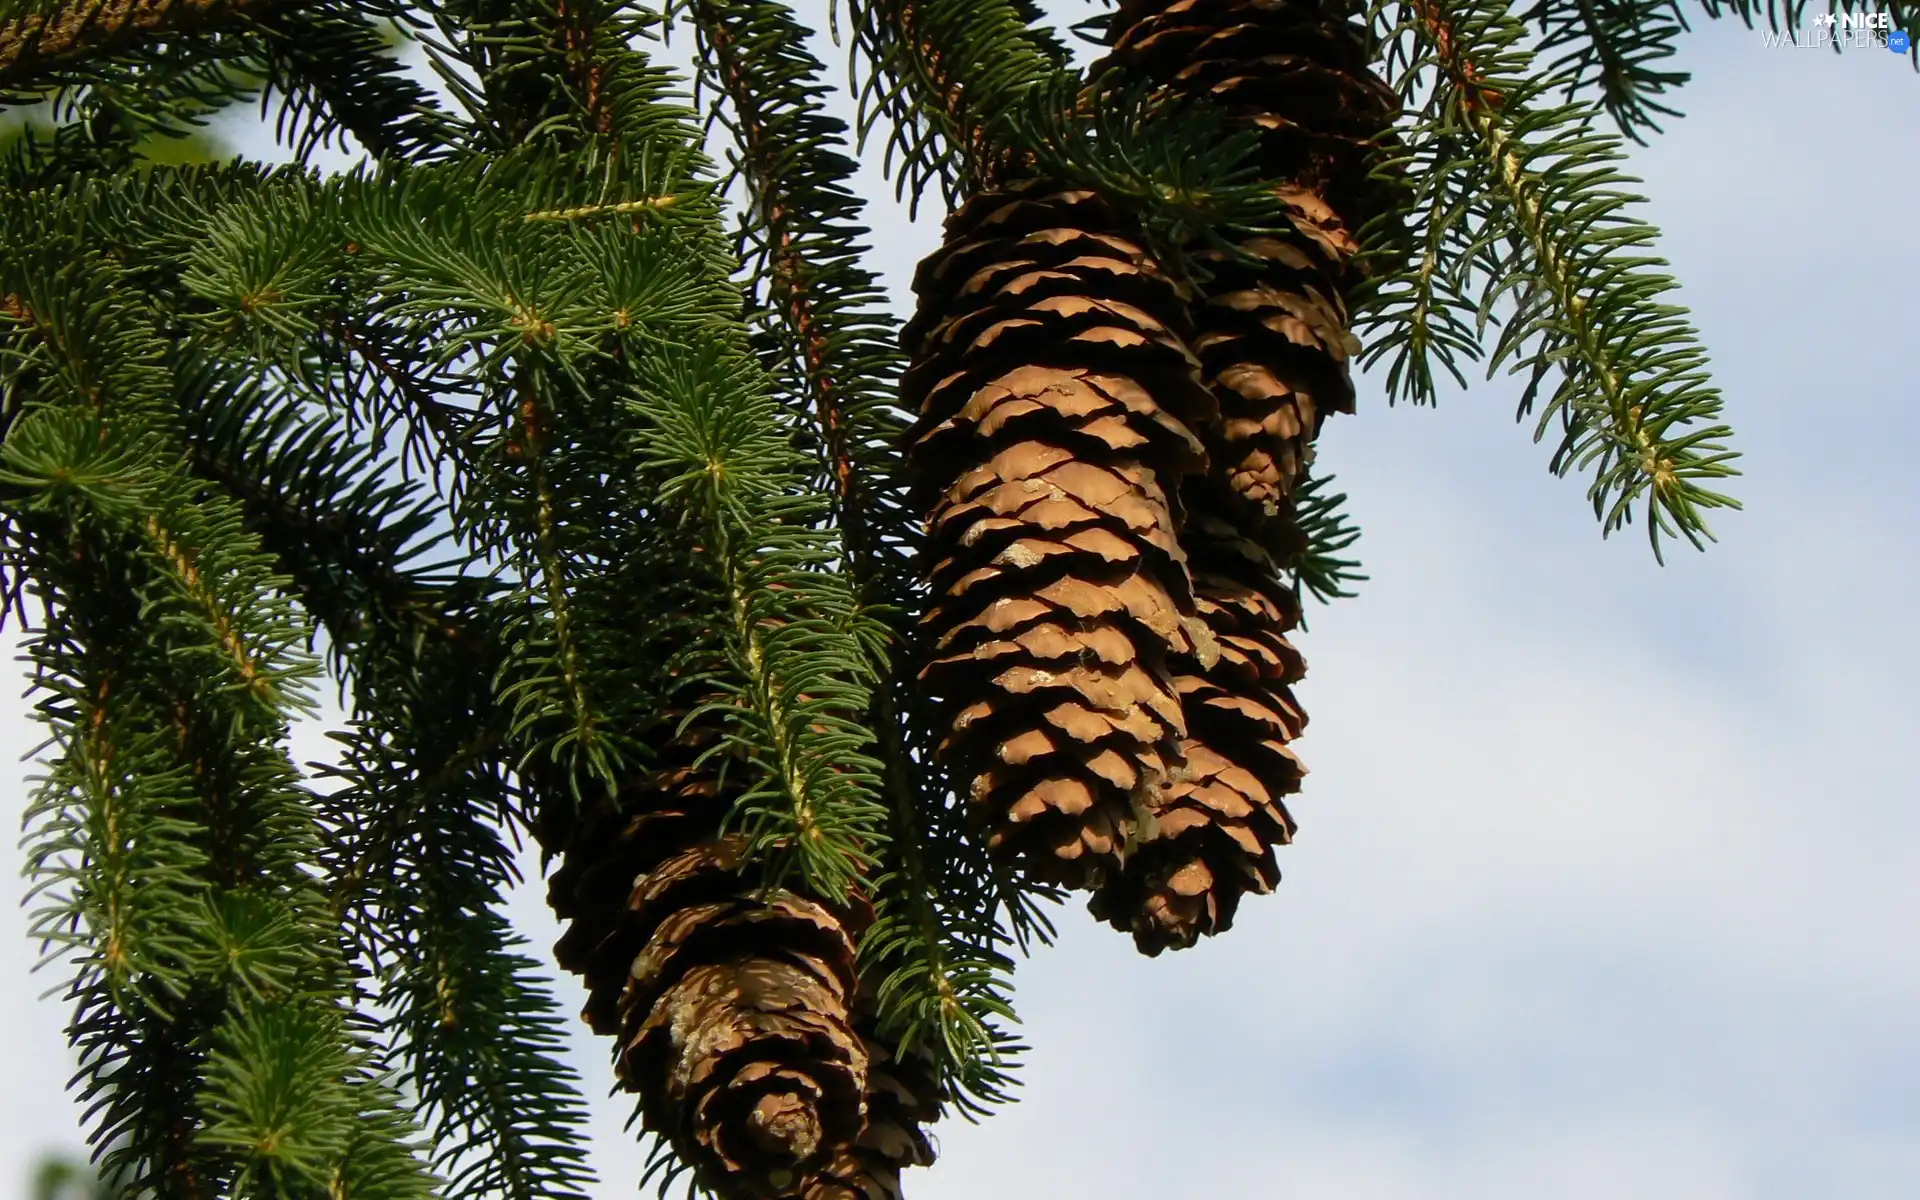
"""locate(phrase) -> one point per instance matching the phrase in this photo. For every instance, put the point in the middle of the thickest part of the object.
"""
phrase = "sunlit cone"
(1272, 332)
(1058, 402)
(1217, 824)
(730, 1002)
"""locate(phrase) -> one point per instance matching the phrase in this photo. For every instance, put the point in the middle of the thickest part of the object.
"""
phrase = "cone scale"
(903, 1097)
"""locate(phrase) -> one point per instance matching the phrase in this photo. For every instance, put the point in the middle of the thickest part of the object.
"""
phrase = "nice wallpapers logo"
(1847, 30)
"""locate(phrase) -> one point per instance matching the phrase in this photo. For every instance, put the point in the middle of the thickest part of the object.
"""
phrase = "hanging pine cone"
(1219, 821)
(1057, 405)
(1273, 336)
(1273, 327)
(730, 1002)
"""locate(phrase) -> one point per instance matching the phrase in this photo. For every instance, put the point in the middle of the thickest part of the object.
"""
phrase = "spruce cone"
(1274, 342)
(730, 1003)
(1219, 821)
(1057, 404)
(1273, 332)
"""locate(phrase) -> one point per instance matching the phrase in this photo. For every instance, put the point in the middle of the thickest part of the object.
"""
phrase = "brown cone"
(1057, 405)
(1272, 333)
(730, 1002)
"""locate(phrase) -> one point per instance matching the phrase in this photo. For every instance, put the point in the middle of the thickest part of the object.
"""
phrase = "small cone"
(1057, 405)
(730, 1002)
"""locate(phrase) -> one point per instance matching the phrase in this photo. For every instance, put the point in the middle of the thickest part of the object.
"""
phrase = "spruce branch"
(939, 987)
(947, 76)
(804, 220)
(534, 353)
(1614, 48)
(112, 849)
(1188, 172)
(709, 432)
(322, 69)
(1320, 568)
(418, 842)
(414, 853)
(1528, 203)
(401, 398)
(299, 1106)
(164, 615)
(553, 704)
(100, 355)
(566, 74)
(340, 75)
(622, 208)
(350, 539)
(800, 679)
(137, 1077)
(482, 1037)
(937, 953)
(223, 862)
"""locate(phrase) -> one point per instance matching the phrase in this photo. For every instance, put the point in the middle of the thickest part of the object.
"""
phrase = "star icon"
(1823, 21)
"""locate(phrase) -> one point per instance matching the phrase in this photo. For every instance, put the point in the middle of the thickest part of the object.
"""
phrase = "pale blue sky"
(1605, 885)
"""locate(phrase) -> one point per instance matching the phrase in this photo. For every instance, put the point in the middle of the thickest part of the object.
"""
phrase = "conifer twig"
(1524, 203)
